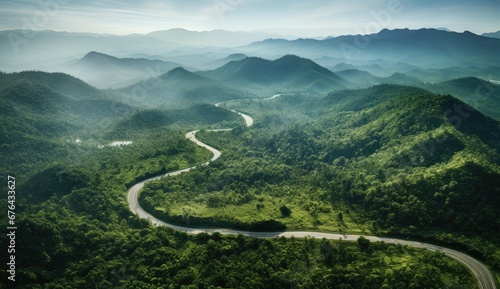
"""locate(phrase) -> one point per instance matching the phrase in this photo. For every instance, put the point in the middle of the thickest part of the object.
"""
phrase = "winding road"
(484, 277)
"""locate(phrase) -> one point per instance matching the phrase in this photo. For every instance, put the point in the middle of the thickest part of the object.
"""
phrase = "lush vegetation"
(481, 94)
(51, 118)
(386, 160)
(319, 164)
(96, 254)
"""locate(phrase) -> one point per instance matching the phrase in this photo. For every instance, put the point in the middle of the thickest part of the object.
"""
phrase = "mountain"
(44, 114)
(401, 78)
(342, 66)
(289, 73)
(357, 77)
(179, 87)
(216, 38)
(223, 61)
(199, 114)
(51, 104)
(478, 93)
(21, 49)
(450, 73)
(394, 147)
(423, 48)
(492, 34)
(410, 162)
(360, 78)
(106, 71)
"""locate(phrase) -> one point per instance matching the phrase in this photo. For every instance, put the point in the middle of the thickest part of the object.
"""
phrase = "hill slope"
(41, 111)
(480, 94)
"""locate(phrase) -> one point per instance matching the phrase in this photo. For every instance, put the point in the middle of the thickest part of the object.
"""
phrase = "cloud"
(311, 17)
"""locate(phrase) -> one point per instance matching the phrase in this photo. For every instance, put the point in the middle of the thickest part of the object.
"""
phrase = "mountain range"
(422, 48)
(492, 34)
(288, 73)
(243, 77)
(361, 78)
(106, 71)
(391, 51)
(214, 38)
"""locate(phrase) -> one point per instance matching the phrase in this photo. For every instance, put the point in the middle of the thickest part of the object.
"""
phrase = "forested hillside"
(179, 88)
(481, 94)
(384, 160)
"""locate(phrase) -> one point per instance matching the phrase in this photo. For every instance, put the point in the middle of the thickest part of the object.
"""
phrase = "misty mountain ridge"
(223, 61)
(360, 78)
(20, 52)
(287, 73)
(391, 49)
(492, 34)
(478, 93)
(106, 71)
(215, 38)
(423, 48)
(181, 88)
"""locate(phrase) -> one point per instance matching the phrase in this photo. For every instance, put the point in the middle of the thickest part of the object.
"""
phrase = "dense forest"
(398, 161)
(385, 160)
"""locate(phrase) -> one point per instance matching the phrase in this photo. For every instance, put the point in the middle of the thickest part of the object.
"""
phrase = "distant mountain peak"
(444, 29)
(96, 56)
(179, 69)
(180, 73)
(292, 57)
(237, 55)
(96, 53)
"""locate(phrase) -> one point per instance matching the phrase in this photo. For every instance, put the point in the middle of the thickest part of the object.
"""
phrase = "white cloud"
(312, 18)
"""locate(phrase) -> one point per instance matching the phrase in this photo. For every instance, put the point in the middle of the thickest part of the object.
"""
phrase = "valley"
(484, 278)
(273, 164)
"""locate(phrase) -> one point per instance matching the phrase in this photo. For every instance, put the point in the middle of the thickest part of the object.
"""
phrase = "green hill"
(51, 104)
(289, 73)
(51, 117)
(199, 115)
(389, 159)
(43, 111)
(179, 87)
(481, 94)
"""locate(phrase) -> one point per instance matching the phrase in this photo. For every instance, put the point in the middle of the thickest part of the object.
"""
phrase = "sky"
(311, 18)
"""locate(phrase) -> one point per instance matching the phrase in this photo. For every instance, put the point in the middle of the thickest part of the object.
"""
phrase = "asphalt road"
(484, 277)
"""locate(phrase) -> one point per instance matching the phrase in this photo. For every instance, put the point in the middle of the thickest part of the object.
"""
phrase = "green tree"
(285, 211)
(363, 244)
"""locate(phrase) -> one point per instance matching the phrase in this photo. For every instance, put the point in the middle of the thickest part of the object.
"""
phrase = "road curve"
(484, 277)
